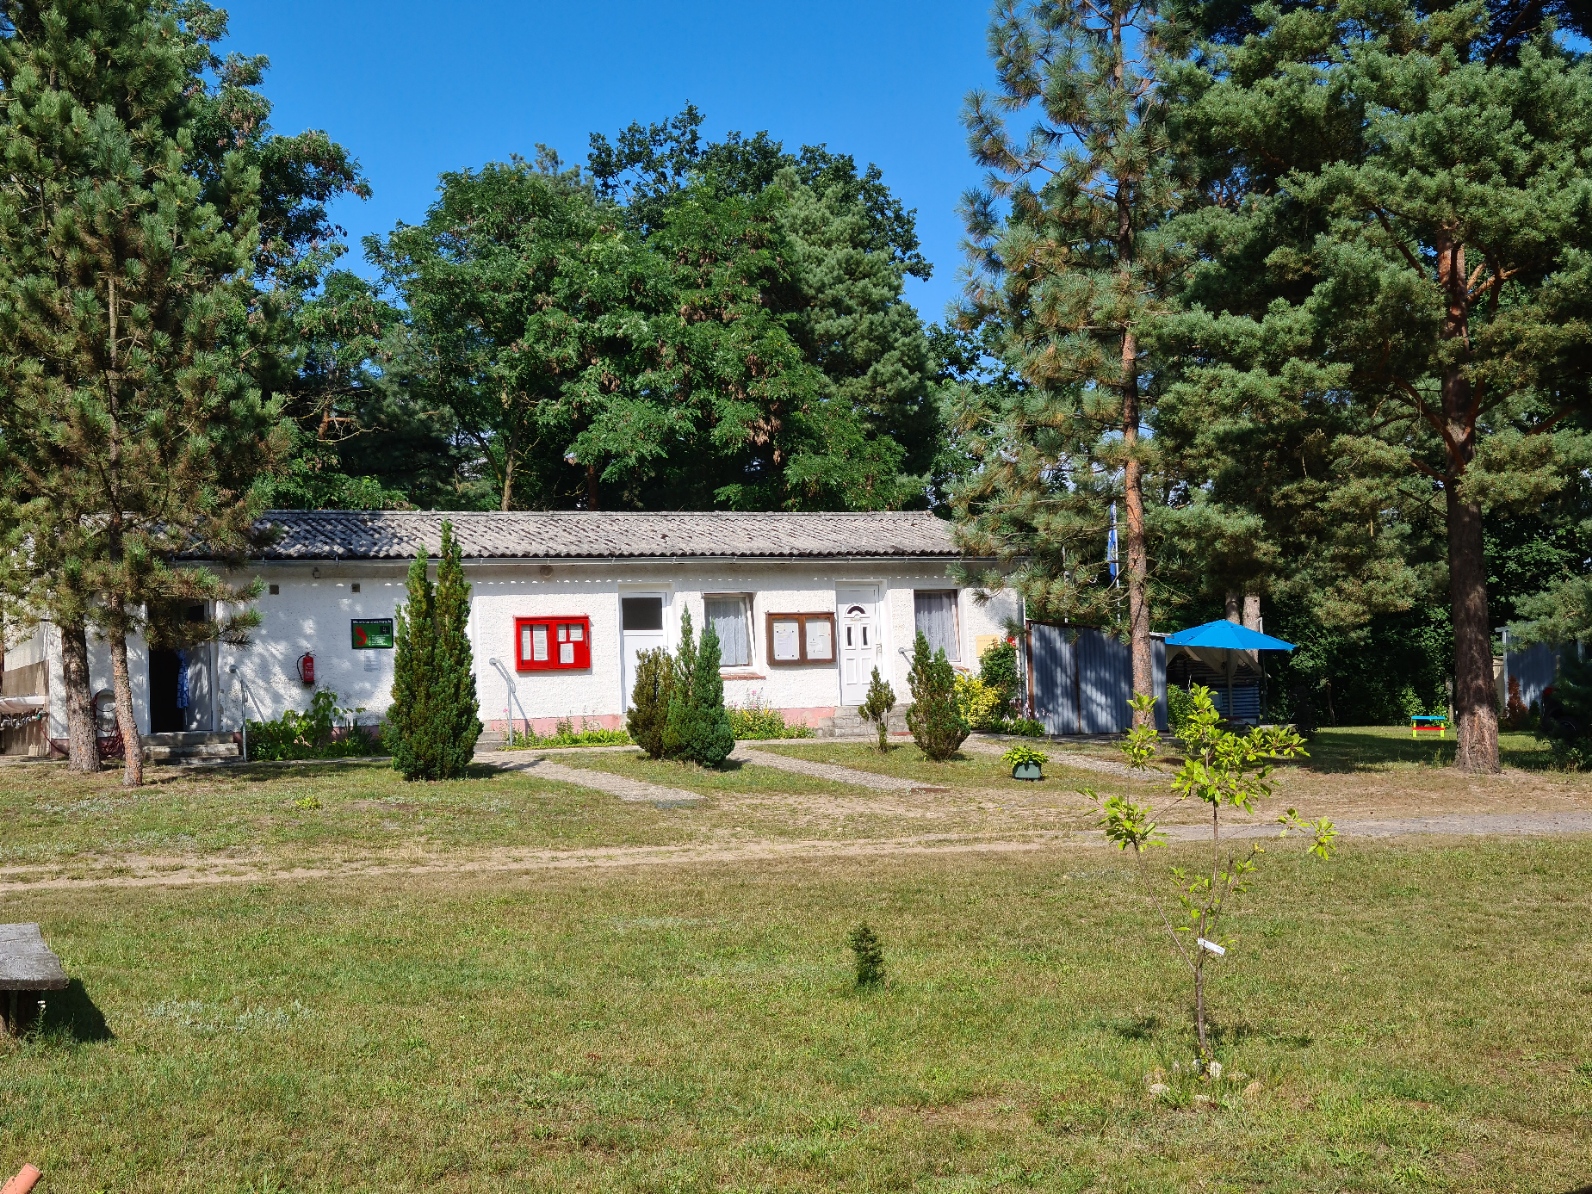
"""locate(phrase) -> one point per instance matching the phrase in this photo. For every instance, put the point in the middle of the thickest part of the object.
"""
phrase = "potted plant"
(1026, 762)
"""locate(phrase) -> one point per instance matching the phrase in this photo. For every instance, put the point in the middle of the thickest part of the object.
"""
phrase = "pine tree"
(1073, 279)
(1395, 286)
(936, 723)
(711, 738)
(133, 253)
(433, 723)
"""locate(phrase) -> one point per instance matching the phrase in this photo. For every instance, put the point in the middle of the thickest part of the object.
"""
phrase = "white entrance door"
(860, 649)
(641, 628)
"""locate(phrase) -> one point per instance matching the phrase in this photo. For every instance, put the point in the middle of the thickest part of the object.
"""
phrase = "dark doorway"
(164, 715)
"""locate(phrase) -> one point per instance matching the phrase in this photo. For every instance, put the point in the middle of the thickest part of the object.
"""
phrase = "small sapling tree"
(869, 954)
(876, 708)
(1225, 770)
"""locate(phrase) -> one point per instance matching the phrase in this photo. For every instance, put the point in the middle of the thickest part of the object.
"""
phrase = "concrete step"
(848, 723)
(490, 740)
(192, 746)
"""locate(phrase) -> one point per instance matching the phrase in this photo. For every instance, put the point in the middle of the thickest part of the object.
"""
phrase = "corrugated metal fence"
(1082, 680)
(1535, 669)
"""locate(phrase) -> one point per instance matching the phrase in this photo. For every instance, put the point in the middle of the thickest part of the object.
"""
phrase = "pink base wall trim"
(546, 727)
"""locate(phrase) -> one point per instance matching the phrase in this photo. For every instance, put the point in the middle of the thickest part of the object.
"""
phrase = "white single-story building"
(805, 606)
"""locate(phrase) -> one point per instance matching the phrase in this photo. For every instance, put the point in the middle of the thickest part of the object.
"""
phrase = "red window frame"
(576, 630)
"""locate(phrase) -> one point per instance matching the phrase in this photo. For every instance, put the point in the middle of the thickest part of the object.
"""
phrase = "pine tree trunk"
(122, 687)
(81, 735)
(1474, 705)
(1475, 710)
(1138, 552)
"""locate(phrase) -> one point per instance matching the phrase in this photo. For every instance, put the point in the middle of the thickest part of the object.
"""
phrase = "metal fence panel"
(1535, 668)
(1083, 679)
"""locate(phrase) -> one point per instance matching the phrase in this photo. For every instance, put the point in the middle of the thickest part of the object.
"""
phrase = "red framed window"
(552, 644)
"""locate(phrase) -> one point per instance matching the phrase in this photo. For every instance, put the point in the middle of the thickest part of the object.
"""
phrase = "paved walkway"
(186, 872)
(637, 791)
(830, 771)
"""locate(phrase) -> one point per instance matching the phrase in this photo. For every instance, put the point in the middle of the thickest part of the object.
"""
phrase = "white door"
(641, 629)
(859, 641)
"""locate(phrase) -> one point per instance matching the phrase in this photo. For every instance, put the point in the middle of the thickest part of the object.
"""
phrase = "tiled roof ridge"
(598, 534)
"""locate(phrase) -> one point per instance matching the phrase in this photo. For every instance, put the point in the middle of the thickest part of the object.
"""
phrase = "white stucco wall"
(311, 613)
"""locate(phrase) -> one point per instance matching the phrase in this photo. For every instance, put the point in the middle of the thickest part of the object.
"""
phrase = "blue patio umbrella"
(1222, 635)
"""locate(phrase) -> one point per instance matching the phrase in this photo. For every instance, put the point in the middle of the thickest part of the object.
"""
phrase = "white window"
(730, 616)
(934, 616)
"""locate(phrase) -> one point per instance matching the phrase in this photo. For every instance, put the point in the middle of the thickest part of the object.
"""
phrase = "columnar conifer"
(434, 722)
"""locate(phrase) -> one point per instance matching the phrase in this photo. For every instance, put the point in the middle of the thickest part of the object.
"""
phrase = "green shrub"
(1565, 721)
(1023, 727)
(876, 707)
(649, 700)
(565, 734)
(433, 724)
(1179, 704)
(869, 955)
(757, 721)
(997, 667)
(936, 723)
(978, 703)
(323, 731)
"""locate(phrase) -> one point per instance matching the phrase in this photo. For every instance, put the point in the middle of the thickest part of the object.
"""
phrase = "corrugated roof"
(401, 534)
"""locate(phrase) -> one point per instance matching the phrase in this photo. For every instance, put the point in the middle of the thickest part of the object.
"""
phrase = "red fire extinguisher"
(306, 668)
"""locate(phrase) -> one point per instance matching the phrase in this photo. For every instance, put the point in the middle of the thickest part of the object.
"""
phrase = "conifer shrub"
(876, 707)
(433, 724)
(677, 721)
(696, 726)
(869, 955)
(710, 737)
(933, 717)
(649, 700)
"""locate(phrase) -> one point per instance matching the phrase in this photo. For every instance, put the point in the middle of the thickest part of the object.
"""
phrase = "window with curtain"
(731, 620)
(934, 614)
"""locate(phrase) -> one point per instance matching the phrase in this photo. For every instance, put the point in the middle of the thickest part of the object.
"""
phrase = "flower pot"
(1027, 771)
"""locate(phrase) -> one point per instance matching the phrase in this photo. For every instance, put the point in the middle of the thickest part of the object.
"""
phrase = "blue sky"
(414, 90)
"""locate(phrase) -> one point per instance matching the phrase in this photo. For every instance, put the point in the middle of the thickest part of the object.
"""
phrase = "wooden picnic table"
(27, 965)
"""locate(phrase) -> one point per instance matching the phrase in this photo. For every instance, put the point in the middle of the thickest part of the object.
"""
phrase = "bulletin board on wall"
(798, 639)
(552, 644)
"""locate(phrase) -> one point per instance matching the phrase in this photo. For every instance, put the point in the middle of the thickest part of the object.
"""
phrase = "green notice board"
(372, 634)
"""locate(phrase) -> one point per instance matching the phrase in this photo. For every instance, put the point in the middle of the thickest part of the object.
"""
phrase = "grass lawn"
(1409, 1016)
(1415, 1019)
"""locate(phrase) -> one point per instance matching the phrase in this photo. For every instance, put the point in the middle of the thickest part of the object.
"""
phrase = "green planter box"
(1027, 771)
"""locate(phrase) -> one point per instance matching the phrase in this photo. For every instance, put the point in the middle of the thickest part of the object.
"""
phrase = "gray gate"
(1082, 680)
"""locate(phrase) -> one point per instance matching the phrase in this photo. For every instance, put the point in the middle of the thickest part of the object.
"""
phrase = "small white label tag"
(1210, 947)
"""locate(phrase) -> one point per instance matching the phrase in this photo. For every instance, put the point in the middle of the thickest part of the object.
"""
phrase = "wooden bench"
(1426, 723)
(28, 967)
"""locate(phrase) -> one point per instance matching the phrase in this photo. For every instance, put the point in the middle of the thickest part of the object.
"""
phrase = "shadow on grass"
(72, 1014)
(1373, 748)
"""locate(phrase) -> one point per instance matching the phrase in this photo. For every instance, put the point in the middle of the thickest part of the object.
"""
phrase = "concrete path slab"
(1063, 757)
(830, 771)
(636, 791)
